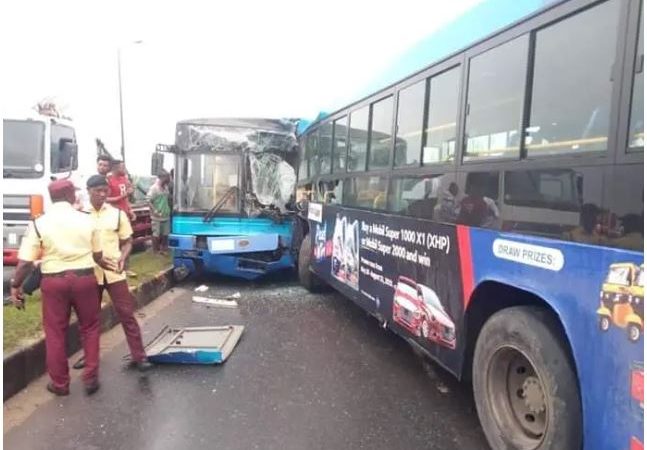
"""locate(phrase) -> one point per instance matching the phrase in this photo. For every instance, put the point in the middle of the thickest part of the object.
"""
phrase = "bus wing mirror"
(157, 163)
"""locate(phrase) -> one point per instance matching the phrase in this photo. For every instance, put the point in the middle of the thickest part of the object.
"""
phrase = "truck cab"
(38, 148)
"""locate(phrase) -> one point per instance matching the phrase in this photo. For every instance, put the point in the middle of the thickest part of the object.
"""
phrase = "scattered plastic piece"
(216, 301)
(202, 288)
(194, 345)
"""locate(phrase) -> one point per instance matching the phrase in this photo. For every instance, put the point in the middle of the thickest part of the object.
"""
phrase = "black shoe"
(80, 364)
(57, 391)
(91, 388)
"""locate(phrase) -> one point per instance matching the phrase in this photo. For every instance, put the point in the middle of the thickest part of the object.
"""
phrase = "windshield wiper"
(212, 212)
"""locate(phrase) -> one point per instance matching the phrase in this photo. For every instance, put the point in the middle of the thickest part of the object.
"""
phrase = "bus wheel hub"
(533, 395)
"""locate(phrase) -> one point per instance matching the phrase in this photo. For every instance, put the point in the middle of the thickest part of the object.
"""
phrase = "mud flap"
(194, 345)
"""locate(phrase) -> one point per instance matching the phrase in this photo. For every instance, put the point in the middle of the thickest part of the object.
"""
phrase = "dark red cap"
(58, 188)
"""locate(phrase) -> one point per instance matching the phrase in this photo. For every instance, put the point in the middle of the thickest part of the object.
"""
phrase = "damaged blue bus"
(234, 182)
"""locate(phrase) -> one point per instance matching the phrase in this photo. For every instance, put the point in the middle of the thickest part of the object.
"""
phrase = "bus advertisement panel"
(418, 277)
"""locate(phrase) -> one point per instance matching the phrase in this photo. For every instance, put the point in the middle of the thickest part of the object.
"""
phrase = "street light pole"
(121, 107)
(121, 102)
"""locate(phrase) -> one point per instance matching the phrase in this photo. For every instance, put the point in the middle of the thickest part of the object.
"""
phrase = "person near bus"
(69, 245)
(116, 243)
(589, 230)
(632, 237)
(449, 207)
(160, 208)
(120, 188)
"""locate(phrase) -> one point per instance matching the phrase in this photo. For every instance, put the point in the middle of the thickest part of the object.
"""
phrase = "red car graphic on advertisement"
(417, 308)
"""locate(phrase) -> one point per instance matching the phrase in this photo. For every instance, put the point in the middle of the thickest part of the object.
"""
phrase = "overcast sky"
(199, 59)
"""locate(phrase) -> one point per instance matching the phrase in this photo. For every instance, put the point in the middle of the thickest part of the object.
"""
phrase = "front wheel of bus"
(525, 387)
(307, 278)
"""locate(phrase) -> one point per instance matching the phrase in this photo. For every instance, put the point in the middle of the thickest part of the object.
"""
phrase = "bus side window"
(479, 195)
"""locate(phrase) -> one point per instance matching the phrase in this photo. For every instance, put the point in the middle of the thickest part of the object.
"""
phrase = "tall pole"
(121, 107)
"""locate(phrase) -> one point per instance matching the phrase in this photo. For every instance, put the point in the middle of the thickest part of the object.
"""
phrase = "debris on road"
(202, 288)
(194, 345)
(224, 303)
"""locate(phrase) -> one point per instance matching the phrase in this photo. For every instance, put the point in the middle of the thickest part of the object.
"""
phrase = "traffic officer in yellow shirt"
(116, 242)
(69, 246)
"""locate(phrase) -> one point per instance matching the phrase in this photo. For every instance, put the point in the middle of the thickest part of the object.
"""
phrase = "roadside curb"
(25, 364)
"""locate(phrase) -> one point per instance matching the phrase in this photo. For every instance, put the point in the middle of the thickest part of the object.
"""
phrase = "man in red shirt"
(120, 188)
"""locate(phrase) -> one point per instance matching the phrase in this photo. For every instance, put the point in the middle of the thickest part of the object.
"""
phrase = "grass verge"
(22, 326)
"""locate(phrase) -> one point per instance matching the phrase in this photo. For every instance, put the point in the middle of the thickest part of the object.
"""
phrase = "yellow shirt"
(67, 240)
(113, 225)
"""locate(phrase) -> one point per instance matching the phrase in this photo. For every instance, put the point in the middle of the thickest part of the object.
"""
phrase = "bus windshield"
(23, 149)
(205, 179)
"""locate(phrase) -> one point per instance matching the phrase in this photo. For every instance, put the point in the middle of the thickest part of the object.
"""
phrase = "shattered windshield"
(204, 179)
(211, 154)
(273, 179)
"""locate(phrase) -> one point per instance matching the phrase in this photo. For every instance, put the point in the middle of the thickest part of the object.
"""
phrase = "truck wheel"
(633, 332)
(604, 323)
(307, 278)
(525, 388)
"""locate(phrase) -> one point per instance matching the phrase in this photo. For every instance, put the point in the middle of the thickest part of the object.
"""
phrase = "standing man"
(69, 246)
(104, 163)
(158, 202)
(120, 188)
(116, 243)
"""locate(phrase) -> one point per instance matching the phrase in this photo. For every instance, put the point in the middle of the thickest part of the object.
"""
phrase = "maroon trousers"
(124, 304)
(60, 294)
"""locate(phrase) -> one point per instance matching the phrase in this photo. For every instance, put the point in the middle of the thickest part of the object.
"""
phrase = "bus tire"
(307, 278)
(525, 387)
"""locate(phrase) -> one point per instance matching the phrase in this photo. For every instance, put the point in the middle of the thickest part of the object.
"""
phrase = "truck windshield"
(23, 149)
(204, 179)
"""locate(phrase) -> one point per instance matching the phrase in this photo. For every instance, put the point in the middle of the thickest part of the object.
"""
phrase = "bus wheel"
(604, 323)
(525, 389)
(307, 278)
(633, 332)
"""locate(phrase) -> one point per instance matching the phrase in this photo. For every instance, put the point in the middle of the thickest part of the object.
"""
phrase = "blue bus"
(233, 199)
(488, 209)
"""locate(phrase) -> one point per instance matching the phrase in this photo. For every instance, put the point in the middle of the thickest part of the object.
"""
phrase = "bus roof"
(276, 125)
(488, 18)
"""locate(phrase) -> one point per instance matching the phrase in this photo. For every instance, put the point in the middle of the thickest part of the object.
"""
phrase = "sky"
(283, 58)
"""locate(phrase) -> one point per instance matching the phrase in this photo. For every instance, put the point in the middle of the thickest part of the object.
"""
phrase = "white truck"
(36, 149)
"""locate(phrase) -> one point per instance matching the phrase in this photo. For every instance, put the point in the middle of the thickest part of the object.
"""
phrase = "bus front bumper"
(247, 257)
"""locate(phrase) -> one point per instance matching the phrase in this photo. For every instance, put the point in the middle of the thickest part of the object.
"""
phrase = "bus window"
(411, 104)
(478, 206)
(440, 130)
(358, 140)
(417, 196)
(624, 204)
(340, 130)
(325, 147)
(381, 125)
(494, 98)
(567, 115)
(365, 192)
(636, 123)
(330, 191)
(312, 152)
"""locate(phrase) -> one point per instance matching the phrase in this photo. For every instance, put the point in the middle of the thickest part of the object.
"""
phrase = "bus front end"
(234, 182)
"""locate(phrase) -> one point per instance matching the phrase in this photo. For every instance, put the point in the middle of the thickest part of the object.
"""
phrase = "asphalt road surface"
(310, 372)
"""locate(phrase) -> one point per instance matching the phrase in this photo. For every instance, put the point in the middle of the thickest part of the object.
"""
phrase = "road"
(310, 372)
